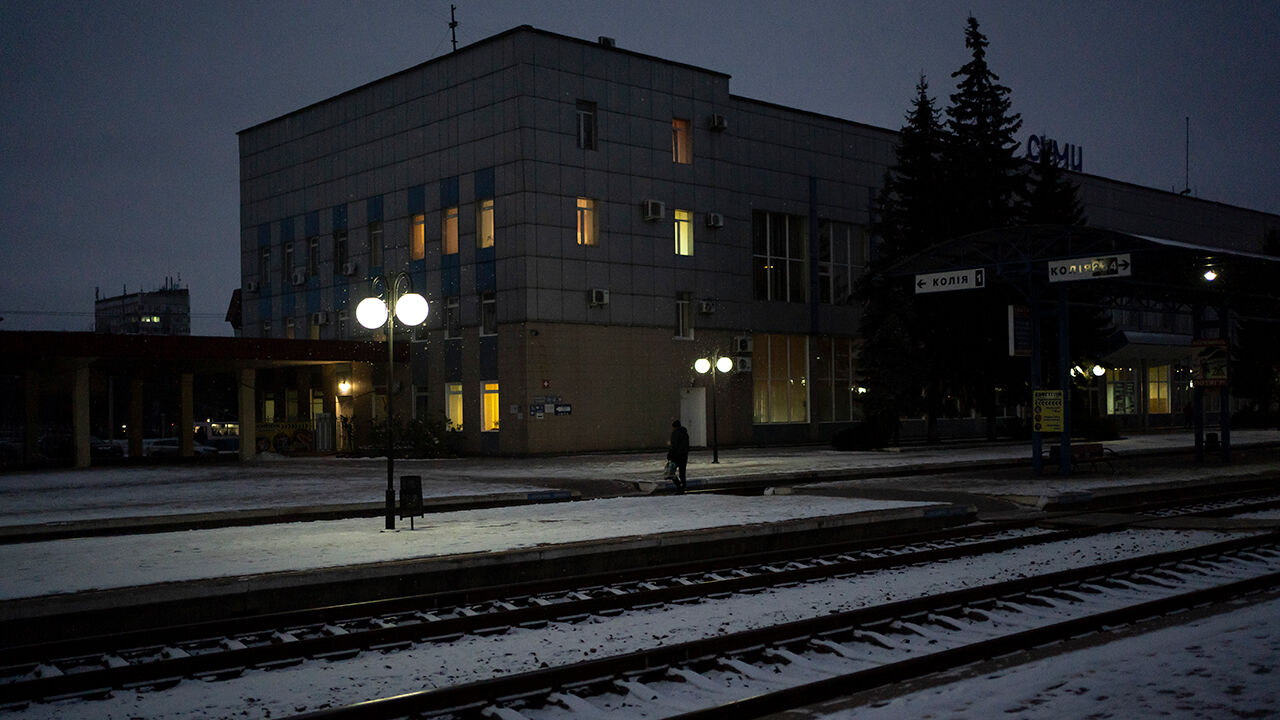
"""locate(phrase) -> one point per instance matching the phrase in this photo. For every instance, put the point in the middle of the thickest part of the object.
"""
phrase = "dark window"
(586, 125)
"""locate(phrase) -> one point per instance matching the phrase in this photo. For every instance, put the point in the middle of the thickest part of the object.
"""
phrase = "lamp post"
(724, 365)
(397, 300)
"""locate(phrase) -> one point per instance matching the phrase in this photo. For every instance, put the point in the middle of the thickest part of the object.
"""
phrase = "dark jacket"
(679, 451)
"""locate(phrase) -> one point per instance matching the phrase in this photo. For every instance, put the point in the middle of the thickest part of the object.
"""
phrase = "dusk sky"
(118, 121)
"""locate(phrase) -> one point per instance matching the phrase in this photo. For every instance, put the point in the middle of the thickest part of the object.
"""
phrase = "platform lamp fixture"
(395, 301)
(703, 366)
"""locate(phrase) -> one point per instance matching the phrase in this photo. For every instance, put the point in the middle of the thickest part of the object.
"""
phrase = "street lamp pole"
(411, 308)
(724, 365)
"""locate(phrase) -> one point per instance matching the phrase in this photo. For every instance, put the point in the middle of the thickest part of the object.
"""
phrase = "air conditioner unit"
(719, 123)
(743, 345)
(299, 276)
(348, 268)
(319, 318)
(251, 286)
(715, 220)
(742, 364)
(599, 297)
(706, 307)
(654, 210)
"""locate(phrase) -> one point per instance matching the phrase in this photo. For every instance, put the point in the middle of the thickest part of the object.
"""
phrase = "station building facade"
(586, 222)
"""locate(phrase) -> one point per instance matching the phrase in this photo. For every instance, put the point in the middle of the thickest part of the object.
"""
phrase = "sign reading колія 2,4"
(1090, 268)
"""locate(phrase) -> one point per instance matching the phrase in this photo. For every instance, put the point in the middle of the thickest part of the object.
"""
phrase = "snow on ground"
(1218, 667)
(270, 694)
(71, 565)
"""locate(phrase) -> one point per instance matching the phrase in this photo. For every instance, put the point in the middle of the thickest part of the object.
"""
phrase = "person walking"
(679, 453)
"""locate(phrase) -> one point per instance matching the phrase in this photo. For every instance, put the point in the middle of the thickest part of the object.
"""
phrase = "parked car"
(168, 447)
(100, 448)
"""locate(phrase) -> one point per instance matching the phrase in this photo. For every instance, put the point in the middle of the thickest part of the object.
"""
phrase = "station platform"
(244, 536)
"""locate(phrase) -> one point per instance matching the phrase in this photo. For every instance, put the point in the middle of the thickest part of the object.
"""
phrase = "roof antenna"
(1186, 178)
(453, 26)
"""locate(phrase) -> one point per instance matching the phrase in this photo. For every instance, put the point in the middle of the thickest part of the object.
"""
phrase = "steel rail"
(461, 700)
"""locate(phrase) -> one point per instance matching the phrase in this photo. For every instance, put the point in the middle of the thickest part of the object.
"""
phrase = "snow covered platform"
(624, 518)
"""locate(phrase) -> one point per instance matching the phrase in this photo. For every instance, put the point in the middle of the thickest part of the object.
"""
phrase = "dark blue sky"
(118, 121)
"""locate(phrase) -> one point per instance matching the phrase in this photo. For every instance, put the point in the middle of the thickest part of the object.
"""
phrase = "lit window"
(684, 232)
(684, 315)
(418, 237)
(288, 328)
(681, 141)
(1158, 389)
(452, 318)
(375, 244)
(489, 405)
(449, 230)
(453, 405)
(586, 125)
(488, 314)
(484, 224)
(313, 254)
(779, 373)
(587, 233)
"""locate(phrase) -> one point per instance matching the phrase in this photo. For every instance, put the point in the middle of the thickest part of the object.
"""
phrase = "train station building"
(586, 222)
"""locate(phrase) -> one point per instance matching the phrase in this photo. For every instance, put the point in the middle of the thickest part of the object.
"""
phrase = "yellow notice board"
(1046, 411)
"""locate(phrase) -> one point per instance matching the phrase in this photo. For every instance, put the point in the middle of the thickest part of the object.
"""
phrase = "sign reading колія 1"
(1090, 268)
(970, 279)
(1046, 413)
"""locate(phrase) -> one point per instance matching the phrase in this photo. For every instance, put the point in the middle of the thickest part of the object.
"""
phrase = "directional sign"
(970, 279)
(1089, 268)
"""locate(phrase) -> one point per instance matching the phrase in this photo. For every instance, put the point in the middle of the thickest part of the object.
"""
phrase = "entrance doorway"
(693, 414)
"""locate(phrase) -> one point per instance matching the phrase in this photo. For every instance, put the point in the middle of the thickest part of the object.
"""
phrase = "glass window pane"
(453, 405)
(484, 224)
(489, 408)
(418, 237)
(449, 230)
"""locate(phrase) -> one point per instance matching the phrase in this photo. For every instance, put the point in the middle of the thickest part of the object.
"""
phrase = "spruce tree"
(985, 173)
(1051, 198)
(912, 204)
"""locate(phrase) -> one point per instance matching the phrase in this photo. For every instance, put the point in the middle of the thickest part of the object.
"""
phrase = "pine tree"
(986, 175)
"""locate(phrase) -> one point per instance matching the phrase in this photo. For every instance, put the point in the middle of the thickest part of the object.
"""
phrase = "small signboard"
(1211, 368)
(564, 409)
(410, 497)
(970, 279)
(1090, 268)
(1020, 331)
(1046, 411)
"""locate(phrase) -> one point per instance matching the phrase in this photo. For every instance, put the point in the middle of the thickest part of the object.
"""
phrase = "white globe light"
(1099, 371)
(724, 364)
(411, 309)
(702, 365)
(371, 313)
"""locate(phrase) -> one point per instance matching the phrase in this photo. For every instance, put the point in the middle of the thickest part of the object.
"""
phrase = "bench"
(1089, 452)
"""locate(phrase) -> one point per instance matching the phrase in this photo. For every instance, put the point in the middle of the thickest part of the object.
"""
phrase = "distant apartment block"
(166, 311)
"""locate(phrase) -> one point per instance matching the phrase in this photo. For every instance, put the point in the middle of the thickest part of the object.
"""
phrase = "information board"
(1046, 409)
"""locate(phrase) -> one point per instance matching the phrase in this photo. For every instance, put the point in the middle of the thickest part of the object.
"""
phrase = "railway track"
(155, 658)
(755, 673)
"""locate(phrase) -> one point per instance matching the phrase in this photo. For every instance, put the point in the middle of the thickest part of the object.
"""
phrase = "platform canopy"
(1109, 267)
